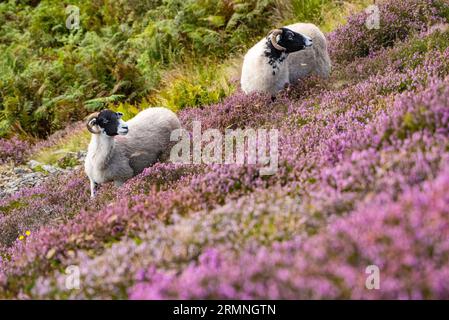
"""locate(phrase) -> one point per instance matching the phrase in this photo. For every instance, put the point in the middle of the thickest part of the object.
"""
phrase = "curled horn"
(90, 125)
(273, 34)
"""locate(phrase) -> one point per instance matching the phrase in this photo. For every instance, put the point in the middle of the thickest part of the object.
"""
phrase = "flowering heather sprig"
(404, 55)
(429, 150)
(54, 201)
(262, 217)
(398, 20)
(236, 111)
(90, 230)
(63, 196)
(14, 150)
(407, 240)
(160, 176)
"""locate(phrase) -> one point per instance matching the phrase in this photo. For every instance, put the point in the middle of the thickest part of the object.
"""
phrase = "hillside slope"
(362, 180)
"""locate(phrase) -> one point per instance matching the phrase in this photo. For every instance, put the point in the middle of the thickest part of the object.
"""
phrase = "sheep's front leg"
(93, 188)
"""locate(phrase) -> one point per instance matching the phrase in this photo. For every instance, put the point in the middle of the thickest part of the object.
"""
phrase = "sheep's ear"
(119, 115)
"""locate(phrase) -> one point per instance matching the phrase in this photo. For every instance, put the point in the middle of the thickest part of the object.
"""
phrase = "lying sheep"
(119, 150)
(285, 56)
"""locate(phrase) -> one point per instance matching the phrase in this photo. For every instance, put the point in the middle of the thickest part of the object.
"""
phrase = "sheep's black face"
(111, 123)
(293, 41)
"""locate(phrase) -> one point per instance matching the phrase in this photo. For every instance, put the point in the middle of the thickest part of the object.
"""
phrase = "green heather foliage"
(120, 52)
(308, 10)
(202, 85)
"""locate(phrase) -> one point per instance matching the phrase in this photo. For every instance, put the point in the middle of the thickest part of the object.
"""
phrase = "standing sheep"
(119, 150)
(285, 56)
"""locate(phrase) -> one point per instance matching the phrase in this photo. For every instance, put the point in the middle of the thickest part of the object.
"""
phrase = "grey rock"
(33, 164)
(50, 169)
(20, 170)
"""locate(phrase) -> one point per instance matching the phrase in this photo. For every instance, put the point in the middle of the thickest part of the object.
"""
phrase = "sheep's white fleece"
(314, 60)
(122, 157)
(257, 73)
